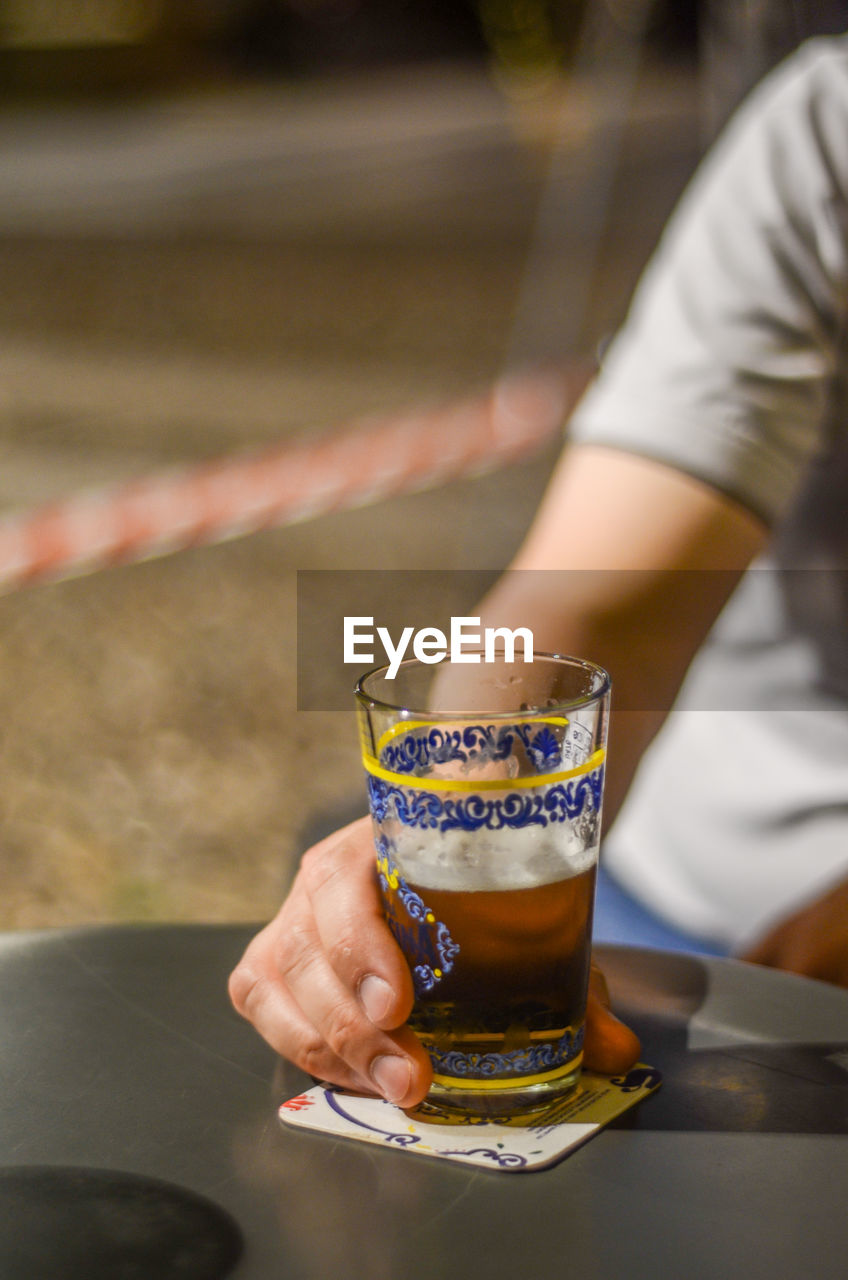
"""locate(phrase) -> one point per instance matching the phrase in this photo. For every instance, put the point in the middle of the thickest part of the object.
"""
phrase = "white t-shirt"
(732, 368)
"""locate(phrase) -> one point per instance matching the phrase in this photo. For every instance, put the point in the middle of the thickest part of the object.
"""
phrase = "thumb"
(610, 1047)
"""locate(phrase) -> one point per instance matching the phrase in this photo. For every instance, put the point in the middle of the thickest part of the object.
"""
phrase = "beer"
(500, 973)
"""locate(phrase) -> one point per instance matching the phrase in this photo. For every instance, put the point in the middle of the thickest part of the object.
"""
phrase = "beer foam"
(471, 861)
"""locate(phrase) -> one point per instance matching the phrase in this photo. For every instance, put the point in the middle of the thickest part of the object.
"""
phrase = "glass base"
(503, 1100)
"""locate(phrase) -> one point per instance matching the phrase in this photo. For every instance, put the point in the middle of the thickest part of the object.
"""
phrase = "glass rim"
(564, 704)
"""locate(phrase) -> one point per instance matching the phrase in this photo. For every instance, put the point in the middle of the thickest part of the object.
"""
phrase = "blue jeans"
(620, 918)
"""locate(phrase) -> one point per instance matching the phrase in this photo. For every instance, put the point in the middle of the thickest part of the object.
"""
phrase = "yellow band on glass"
(374, 767)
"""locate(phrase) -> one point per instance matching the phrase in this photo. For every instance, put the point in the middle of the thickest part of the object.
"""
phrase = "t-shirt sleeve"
(726, 366)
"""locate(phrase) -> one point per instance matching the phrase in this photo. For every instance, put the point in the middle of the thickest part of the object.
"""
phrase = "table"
(119, 1052)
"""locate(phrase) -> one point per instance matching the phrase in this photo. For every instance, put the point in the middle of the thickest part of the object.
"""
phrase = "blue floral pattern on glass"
(531, 1060)
(425, 941)
(429, 810)
(543, 748)
(474, 745)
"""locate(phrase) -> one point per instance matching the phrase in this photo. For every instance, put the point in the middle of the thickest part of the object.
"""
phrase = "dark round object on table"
(61, 1223)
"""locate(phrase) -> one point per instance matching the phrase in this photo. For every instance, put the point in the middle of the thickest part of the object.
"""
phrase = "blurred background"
(227, 223)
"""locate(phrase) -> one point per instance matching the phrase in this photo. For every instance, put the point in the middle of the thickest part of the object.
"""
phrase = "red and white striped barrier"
(364, 462)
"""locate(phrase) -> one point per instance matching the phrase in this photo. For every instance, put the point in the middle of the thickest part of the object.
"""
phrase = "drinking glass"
(485, 787)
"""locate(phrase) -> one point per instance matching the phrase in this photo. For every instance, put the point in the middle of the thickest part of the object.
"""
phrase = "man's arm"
(628, 563)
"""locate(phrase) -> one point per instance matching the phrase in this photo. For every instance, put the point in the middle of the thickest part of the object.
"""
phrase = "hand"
(812, 941)
(327, 986)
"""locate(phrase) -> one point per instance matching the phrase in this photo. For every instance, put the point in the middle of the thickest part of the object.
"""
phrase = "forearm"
(560, 610)
(628, 564)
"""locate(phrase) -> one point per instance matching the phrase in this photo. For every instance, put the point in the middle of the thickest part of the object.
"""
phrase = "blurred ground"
(195, 272)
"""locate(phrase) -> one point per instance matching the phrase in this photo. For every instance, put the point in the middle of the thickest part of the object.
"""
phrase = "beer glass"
(485, 785)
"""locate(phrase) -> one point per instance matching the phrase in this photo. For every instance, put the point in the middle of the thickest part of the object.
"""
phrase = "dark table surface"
(119, 1052)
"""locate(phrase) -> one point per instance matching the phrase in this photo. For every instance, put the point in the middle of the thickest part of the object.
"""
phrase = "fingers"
(610, 1047)
(260, 996)
(325, 983)
(812, 942)
(335, 1041)
(339, 879)
(803, 950)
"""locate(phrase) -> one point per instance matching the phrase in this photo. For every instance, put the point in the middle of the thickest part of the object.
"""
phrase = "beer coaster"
(513, 1146)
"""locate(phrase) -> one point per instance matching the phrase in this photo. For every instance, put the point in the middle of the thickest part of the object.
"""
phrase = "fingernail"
(392, 1076)
(375, 996)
